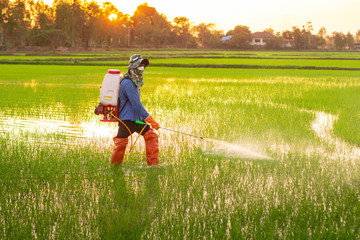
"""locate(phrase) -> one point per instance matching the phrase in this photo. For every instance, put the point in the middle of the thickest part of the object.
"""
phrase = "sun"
(112, 17)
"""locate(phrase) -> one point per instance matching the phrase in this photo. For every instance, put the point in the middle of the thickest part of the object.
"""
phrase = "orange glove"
(153, 123)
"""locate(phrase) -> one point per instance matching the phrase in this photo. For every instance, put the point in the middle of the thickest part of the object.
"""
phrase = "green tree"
(70, 18)
(274, 42)
(64, 19)
(56, 38)
(300, 38)
(321, 36)
(307, 31)
(4, 4)
(357, 36)
(340, 40)
(142, 20)
(182, 29)
(303, 38)
(207, 36)
(18, 22)
(287, 34)
(78, 18)
(162, 33)
(42, 21)
(350, 41)
(150, 28)
(241, 37)
(109, 30)
(94, 31)
(270, 30)
(118, 32)
(322, 32)
(53, 38)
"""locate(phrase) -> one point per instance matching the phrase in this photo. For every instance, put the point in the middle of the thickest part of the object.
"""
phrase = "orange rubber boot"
(119, 150)
(152, 147)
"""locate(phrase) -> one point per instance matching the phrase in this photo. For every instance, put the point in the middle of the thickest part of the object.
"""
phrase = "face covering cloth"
(136, 76)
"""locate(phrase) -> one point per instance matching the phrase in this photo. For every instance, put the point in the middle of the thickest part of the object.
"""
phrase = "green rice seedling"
(195, 58)
(263, 62)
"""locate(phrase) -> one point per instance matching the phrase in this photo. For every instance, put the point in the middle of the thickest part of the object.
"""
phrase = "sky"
(334, 15)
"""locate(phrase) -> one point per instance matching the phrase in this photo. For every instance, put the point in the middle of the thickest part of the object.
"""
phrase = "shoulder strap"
(123, 106)
(121, 79)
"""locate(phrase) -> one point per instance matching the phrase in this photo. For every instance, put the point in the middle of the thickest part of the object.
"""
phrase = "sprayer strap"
(123, 106)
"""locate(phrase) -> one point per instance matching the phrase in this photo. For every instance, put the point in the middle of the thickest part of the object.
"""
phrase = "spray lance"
(172, 130)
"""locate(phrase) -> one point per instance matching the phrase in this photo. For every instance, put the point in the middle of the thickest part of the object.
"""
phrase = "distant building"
(258, 38)
(288, 43)
(357, 46)
(226, 38)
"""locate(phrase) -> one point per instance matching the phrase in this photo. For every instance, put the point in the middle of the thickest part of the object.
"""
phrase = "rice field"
(281, 159)
(199, 59)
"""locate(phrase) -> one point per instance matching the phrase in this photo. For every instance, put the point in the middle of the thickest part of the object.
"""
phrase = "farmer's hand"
(153, 123)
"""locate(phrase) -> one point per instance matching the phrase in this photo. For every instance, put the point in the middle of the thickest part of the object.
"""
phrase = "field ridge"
(177, 65)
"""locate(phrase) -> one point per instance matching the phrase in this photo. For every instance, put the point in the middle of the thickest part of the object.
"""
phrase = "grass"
(56, 180)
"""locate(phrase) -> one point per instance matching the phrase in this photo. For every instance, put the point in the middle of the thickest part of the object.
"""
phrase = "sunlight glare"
(112, 17)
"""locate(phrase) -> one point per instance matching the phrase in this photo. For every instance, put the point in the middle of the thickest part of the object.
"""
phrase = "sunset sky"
(335, 15)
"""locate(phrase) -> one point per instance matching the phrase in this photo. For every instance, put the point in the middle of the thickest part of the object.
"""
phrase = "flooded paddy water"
(274, 165)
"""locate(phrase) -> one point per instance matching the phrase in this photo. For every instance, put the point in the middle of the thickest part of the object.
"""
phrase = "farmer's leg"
(120, 143)
(151, 145)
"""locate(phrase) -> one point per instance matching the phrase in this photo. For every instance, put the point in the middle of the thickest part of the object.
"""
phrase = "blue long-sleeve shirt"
(133, 110)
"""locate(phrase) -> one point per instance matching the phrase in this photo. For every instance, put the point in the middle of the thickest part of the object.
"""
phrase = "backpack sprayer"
(108, 106)
(109, 93)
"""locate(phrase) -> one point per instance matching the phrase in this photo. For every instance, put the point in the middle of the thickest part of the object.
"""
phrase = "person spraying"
(131, 112)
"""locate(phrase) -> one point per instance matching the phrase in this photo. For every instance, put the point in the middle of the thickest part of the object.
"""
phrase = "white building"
(288, 43)
(259, 38)
(357, 46)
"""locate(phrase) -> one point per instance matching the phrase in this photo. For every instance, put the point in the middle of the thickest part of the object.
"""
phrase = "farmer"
(131, 110)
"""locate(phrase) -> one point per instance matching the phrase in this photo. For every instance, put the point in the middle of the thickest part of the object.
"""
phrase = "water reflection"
(49, 130)
(32, 84)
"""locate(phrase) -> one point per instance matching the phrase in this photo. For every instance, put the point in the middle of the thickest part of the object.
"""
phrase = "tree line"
(86, 24)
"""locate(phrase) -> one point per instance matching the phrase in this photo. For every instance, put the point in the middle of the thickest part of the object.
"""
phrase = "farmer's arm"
(134, 99)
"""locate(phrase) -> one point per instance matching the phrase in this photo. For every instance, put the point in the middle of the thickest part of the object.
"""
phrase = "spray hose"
(131, 139)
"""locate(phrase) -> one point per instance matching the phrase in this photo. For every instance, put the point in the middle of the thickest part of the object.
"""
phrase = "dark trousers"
(134, 127)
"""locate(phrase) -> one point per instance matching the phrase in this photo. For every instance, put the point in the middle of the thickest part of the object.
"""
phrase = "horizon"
(284, 15)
